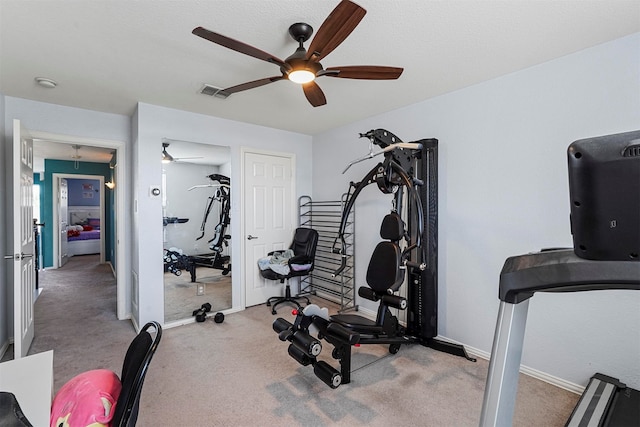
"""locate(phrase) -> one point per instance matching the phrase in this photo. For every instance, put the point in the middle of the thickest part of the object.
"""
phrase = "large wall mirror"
(196, 228)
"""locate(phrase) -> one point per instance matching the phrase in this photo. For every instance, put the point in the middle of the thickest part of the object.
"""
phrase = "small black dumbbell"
(219, 317)
(206, 307)
(201, 313)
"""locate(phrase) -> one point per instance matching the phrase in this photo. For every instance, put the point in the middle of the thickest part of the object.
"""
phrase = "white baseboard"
(534, 373)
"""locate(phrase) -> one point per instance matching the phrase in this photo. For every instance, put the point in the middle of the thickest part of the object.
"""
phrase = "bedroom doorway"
(78, 216)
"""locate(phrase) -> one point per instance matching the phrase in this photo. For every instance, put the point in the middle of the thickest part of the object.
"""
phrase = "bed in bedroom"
(84, 231)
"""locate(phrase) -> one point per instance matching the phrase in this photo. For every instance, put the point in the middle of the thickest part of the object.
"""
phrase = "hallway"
(75, 316)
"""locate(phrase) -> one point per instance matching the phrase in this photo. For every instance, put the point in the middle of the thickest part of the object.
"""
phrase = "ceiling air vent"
(632, 151)
(213, 91)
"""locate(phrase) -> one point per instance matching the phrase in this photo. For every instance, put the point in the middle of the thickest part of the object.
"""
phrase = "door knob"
(16, 256)
(250, 237)
(23, 255)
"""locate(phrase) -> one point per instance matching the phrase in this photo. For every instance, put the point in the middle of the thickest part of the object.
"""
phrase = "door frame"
(243, 151)
(56, 221)
(123, 280)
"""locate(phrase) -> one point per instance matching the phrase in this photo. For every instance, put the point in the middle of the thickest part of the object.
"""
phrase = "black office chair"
(134, 369)
(305, 241)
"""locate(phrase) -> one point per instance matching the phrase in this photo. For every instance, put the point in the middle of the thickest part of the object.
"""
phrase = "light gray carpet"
(75, 315)
(239, 374)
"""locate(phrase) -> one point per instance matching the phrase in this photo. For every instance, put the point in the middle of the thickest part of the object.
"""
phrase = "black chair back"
(384, 272)
(305, 242)
(134, 369)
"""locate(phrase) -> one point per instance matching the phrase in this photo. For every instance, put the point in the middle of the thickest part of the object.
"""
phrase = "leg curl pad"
(327, 374)
(334, 330)
(305, 342)
(300, 356)
(283, 328)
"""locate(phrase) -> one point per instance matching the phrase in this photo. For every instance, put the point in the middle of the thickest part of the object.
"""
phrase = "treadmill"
(604, 187)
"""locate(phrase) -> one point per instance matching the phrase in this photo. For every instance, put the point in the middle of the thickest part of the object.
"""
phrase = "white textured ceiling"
(108, 55)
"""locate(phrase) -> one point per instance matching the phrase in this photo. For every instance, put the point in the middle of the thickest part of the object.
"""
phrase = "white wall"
(58, 119)
(503, 192)
(151, 124)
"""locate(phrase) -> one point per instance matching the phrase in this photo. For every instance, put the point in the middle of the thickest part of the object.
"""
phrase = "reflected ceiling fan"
(168, 158)
(303, 66)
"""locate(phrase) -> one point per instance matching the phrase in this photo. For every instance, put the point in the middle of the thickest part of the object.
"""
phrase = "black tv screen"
(604, 187)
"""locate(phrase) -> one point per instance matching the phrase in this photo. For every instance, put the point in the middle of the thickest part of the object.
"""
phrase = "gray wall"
(503, 192)
(151, 124)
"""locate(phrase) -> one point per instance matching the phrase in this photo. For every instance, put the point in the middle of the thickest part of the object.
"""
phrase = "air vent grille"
(213, 91)
(632, 151)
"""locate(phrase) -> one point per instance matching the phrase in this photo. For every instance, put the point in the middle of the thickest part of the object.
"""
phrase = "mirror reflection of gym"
(196, 228)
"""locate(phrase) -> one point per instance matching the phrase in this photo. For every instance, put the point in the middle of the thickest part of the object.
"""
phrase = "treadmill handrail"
(563, 271)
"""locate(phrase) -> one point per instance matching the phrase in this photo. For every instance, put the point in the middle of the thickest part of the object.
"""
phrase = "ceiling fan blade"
(236, 45)
(251, 85)
(314, 94)
(335, 29)
(365, 72)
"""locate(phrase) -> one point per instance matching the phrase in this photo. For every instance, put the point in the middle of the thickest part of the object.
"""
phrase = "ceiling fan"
(303, 66)
(168, 158)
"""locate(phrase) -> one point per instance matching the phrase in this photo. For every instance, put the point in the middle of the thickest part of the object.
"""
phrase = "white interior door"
(63, 221)
(268, 201)
(23, 242)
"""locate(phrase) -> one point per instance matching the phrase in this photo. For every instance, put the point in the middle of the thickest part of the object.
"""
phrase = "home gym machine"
(219, 241)
(408, 172)
(604, 186)
(175, 262)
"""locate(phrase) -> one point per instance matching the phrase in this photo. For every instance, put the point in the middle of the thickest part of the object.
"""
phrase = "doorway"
(79, 226)
(121, 250)
(269, 217)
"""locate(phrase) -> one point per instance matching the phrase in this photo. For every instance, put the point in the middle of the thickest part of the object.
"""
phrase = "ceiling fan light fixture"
(303, 66)
(301, 76)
